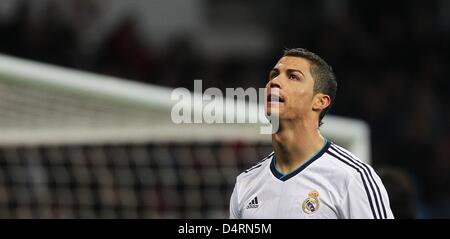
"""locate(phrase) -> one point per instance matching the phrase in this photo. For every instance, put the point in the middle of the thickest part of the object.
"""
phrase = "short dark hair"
(322, 73)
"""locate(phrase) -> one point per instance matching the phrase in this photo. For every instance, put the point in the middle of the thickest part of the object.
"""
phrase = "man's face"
(290, 89)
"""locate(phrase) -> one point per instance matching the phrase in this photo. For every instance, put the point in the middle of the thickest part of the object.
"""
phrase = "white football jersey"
(332, 184)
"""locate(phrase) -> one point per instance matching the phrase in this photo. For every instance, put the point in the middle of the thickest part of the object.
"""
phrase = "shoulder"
(363, 183)
(346, 163)
(351, 167)
(254, 171)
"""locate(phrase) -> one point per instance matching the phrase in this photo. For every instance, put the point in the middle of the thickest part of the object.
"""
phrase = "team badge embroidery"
(311, 203)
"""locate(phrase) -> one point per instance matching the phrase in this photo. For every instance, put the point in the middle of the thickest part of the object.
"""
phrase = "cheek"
(302, 92)
(303, 95)
(302, 100)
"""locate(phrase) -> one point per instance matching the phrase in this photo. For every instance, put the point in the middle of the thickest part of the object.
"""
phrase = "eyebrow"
(288, 71)
(295, 70)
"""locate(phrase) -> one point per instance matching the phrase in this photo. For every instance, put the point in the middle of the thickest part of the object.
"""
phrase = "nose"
(275, 82)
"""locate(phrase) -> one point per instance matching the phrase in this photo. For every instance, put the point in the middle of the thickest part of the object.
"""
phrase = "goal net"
(81, 145)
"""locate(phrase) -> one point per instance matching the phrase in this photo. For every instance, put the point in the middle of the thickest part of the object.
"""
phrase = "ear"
(321, 101)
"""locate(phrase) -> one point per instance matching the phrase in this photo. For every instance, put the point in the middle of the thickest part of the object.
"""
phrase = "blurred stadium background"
(75, 144)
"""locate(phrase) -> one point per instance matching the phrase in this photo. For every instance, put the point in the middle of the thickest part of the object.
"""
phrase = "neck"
(295, 143)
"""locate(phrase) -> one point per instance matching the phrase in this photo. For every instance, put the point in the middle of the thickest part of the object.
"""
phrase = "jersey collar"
(284, 177)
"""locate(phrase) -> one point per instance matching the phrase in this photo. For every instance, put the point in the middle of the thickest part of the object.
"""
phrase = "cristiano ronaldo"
(307, 175)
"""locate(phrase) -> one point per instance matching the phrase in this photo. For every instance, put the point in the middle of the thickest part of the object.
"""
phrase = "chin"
(270, 113)
(273, 109)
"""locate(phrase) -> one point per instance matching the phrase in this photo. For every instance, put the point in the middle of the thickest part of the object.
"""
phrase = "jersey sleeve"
(387, 212)
(360, 202)
(234, 204)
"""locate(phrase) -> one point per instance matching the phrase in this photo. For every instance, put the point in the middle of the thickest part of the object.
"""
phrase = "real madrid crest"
(311, 203)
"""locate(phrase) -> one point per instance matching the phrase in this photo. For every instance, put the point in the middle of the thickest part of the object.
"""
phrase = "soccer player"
(307, 176)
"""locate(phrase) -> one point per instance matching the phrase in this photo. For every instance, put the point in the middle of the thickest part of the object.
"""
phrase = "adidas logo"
(253, 203)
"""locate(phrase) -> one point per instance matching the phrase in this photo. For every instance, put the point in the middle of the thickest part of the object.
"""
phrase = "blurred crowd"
(391, 59)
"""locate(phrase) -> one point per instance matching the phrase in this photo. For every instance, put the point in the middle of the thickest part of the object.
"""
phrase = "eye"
(293, 77)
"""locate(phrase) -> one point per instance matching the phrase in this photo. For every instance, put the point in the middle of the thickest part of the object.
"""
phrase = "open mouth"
(273, 98)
